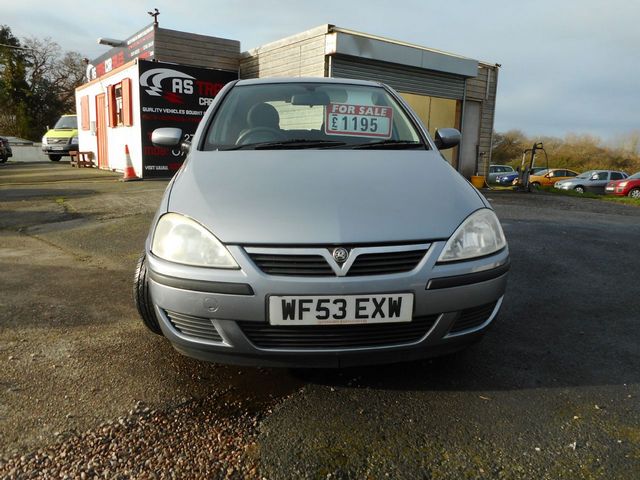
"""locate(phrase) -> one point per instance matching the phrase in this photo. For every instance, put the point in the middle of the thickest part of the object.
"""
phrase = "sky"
(568, 66)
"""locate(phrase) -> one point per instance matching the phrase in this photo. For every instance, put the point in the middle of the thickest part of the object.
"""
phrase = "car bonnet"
(323, 196)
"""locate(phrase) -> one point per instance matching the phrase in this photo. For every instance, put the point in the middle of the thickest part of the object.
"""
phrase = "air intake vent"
(194, 327)
(312, 337)
(473, 317)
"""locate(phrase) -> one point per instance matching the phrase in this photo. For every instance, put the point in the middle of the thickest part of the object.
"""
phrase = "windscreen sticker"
(358, 120)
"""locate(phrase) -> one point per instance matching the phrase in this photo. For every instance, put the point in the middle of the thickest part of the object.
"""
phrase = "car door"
(597, 182)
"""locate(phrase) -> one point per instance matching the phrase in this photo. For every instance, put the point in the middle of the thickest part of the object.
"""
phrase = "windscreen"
(69, 122)
(310, 115)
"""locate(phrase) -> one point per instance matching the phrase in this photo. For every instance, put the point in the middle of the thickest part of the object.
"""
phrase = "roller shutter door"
(399, 77)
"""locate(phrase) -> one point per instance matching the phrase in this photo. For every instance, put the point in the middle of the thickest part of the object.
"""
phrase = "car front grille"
(194, 327)
(264, 335)
(472, 317)
(385, 263)
(310, 265)
(292, 265)
(58, 141)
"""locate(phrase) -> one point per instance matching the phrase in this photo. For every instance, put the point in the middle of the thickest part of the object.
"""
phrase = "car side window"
(616, 176)
(571, 174)
(560, 173)
(602, 175)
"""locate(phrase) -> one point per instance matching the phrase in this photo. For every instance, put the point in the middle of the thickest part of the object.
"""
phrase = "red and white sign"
(358, 120)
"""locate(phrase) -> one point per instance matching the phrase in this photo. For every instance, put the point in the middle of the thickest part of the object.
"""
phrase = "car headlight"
(44, 140)
(74, 140)
(179, 239)
(623, 184)
(479, 235)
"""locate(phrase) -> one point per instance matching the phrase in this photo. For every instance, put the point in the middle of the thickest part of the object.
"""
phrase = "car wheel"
(535, 185)
(142, 298)
(3, 159)
(55, 158)
(579, 189)
(634, 193)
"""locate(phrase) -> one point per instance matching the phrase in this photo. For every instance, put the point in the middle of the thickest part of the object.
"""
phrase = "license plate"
(56, 148)
(609, 189)
(343, 309)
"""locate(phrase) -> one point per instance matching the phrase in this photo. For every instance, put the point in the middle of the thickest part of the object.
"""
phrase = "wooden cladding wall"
(84, 113)
(483, 88)
(196, 50)
(302, 58)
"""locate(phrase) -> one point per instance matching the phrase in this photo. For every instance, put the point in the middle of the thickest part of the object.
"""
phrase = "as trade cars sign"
(173, 96)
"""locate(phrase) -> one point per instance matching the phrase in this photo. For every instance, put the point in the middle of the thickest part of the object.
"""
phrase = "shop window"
(84, 112)
(120, 114)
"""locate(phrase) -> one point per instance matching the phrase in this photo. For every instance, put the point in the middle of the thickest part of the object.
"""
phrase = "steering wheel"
(260, 134)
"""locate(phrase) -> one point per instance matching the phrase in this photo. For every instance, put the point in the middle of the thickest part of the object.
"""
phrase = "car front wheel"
(55, 158)
(142, 298)
(634, 193)
(579, 189)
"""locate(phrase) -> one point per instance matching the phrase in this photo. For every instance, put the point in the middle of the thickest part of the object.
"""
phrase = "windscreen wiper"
(399, 144)
(283, 144)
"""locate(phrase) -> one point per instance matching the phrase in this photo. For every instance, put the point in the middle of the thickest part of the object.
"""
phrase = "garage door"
(399, 77)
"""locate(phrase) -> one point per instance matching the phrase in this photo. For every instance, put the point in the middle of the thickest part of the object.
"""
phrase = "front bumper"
(59, 149)
(222, 306)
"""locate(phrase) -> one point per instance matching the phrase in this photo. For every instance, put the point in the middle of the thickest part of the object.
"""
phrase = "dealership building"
(160, 77)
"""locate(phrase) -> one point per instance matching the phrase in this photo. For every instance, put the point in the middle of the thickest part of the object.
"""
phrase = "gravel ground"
(551, 392)
(209, 438)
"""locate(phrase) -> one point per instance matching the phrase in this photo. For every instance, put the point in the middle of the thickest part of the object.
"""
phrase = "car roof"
(336, 81)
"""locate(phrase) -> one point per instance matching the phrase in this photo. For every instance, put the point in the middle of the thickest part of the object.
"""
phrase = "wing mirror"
(447, 138)
(166, 137)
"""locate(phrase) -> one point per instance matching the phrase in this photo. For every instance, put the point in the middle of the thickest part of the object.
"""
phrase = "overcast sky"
(567, 66)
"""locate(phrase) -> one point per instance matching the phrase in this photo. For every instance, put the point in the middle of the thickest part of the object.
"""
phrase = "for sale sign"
(174, 96)
(358, 120)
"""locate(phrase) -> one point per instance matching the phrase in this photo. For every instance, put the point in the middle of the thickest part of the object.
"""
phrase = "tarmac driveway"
(552, 391)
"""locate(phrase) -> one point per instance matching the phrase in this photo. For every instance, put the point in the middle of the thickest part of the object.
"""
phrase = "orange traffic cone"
(129, 171)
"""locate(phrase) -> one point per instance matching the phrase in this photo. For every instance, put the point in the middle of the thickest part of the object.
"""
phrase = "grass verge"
(606, 198)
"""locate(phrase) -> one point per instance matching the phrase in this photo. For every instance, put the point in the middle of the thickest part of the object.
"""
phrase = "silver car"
(315, 223)
(593, 181)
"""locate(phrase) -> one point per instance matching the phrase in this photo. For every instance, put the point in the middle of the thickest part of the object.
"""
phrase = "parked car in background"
(5, 150)
(495, 170)
(509, 178)
(629, 186)
(593, 181)
(343, 253)
(506, 178)
(62, 138)
(548, 177)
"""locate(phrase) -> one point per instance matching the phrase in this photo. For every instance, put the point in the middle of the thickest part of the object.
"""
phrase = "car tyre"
(579, 189)
(535, 185)
(142, 298)
(634, 193)
(55, 158)
(3, 159)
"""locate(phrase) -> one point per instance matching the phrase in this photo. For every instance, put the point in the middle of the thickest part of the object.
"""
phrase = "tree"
(508, 146)
(13, 84)
(45, 86)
